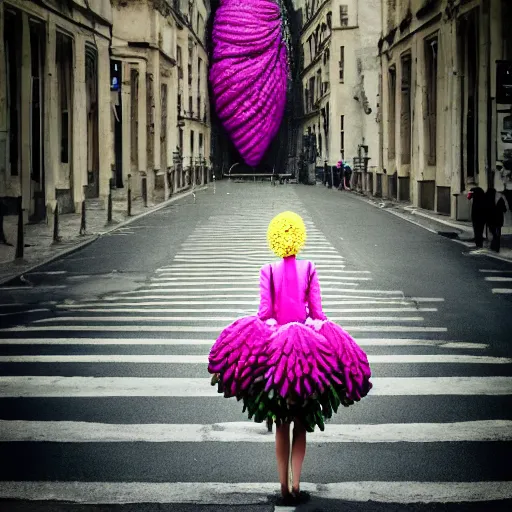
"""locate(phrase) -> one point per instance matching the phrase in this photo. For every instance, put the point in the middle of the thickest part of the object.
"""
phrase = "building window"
(342, 137)
(64, 58)
(311, 92)
(342, 63)
(405, 112)
(344, 15)
(190, 107)
(191, 143)
(179, 60)
(12, 41)
(392, 114)
(134, 114)
(199, 72)
(320, 145)
(198, 113)
(431, 99)
(201, 144)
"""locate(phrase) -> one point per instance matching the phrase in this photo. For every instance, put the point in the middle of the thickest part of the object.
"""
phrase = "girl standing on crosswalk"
(289, 363)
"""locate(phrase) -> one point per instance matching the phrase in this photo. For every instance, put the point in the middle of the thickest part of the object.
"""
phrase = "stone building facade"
(98, 95)
(159, 49)
(445, 111)
(55, 135)
(340, 80)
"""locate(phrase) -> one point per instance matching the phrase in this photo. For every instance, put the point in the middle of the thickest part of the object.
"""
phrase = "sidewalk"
(460, 231)
(39, 245)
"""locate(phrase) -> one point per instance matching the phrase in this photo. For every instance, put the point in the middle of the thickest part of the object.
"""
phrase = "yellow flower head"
(286, 234)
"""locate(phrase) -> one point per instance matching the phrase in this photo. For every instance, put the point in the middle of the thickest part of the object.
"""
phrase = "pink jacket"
(290, 292)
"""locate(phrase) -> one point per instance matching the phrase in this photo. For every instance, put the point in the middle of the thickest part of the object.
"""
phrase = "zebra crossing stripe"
(222, 319)
(232, 493)
(247, 432)
(203, 359)
(143, 309)
(363, 342)
(502, 290)
(214, 330)
(56, 386)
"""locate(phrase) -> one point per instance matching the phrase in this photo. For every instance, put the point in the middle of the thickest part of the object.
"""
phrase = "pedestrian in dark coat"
(496, 209)
(478, 214)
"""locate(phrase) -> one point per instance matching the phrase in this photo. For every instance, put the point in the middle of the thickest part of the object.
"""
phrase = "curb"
(431, 230)
(94, 237)
(155, 208)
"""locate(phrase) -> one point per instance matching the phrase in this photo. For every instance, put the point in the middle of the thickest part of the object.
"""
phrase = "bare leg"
(282, 455)
(298, 453)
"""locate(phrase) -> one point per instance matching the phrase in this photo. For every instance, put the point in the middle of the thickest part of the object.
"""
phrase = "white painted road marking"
(502, 290)
(140, 308)
(363, 342)
(198, 328)
(246, 432)
(57, 386)
(203, 359)
(161, 318)
(233, 493)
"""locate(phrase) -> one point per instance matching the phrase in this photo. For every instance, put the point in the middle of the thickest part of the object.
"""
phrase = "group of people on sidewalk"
(488, 209)
(338, 177)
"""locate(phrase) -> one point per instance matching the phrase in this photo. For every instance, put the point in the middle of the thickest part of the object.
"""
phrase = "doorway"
(92, 190)
(469, 63)
(37, 181)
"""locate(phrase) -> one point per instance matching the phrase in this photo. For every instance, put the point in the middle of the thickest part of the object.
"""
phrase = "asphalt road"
(105, 403)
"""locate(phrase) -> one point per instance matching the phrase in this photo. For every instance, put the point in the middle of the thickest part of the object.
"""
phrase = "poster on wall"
(504, 142)
(504, 115)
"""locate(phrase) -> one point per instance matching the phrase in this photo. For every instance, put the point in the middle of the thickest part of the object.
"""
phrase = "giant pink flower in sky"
(249, 73)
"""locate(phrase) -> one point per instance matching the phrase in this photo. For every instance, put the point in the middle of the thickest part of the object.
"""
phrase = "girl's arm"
(265, 311)
(315, 296)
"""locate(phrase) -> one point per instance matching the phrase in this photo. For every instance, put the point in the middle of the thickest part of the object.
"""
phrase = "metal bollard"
(109, 202)
(83, 225)
(129, 195)
(3, 240)
(20, 243)
(145, 190)
(56, 237)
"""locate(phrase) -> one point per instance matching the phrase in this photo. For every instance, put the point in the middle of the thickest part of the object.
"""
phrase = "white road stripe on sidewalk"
(499, 279)
(203, 359)
(56, 386)
(363, 342)
(218, 493)
(197, 328)
(502, 290)
(246, 432)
